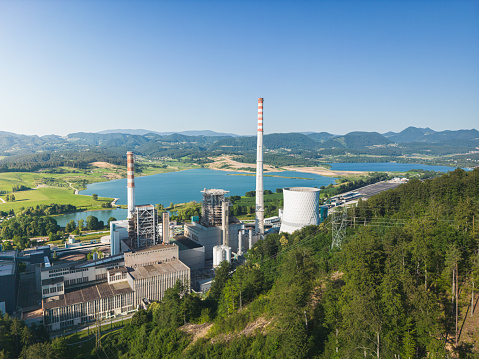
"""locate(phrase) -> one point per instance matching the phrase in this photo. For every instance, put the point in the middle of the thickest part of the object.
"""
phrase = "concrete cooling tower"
(301, 208)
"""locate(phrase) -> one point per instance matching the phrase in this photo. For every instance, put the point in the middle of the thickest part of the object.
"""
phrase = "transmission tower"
(339, 221)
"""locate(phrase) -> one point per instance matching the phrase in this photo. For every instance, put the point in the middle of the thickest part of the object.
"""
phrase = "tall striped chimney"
(259, 222)
(130, 173)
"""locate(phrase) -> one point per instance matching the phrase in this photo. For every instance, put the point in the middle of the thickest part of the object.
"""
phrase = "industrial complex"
(142, 257)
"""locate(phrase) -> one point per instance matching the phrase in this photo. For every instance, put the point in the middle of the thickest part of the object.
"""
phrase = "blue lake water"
(186, 186)
(387, 167)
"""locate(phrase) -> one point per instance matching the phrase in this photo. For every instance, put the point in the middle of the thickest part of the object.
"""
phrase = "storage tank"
(217, 255)
(228, 253)
(301, 208)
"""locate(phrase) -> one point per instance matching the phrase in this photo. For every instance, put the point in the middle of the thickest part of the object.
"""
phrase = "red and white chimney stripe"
(130, 169)
(260, 114)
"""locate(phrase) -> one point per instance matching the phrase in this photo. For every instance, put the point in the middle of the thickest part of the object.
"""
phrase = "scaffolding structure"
(211, 208)
(142, 227)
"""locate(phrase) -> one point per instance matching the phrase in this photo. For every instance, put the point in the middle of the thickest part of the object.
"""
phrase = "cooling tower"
(301, 208)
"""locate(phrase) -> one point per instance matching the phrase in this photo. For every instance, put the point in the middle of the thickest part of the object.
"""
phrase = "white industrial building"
(79, 291)
(301, 208)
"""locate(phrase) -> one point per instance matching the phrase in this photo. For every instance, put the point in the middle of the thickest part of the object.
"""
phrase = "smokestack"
(259, 222)
(166, 227)
(225, 215)
(130, 173)
(240, 243)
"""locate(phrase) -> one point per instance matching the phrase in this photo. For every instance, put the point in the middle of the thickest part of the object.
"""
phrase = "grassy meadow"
(58, 185)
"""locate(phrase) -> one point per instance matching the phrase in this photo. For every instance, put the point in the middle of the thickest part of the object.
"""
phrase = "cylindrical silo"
(215, 257)
(228, 254)
(301, 208)
(240, 243)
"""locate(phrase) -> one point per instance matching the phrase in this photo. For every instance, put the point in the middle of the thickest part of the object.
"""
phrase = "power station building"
(301, 208)
(141, 266)
(216, 226)
(80, 292)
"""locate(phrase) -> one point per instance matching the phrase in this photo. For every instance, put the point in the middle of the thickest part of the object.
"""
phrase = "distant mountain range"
(151, 142)
(142, 132)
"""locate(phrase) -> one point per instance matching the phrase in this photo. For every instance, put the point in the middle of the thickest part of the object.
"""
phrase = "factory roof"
(152, 248)
(157, 269)
(185, 243)
(117, 270)
(53, 280)
(7, 268)
(87, 294)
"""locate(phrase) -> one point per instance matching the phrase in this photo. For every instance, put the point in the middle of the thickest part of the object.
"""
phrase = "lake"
(186, 186)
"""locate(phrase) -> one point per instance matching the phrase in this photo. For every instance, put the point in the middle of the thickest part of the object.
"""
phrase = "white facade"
(301, 208)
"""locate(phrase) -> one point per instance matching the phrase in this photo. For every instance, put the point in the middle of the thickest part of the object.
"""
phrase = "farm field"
(49, 195)
(58, 185)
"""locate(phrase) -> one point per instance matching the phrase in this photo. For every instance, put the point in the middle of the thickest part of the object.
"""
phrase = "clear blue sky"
(335, 66)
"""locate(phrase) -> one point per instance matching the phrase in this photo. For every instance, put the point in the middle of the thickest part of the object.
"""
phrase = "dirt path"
(3, 201)
(76, 191)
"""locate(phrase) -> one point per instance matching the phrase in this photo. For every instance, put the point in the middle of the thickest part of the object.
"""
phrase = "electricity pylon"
(339, 221)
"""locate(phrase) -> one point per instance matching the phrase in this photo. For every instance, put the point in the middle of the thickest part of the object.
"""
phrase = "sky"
(335, 66)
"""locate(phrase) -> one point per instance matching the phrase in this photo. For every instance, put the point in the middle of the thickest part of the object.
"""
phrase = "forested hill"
(401, 286)
(414, 134)
(26, 153)
(357, 140)
(274, 141)
(11, 143)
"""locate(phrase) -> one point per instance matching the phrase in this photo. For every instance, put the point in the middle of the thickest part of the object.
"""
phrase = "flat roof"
(87, 294)
(157, 269)
(32, 314)
(152, 248)
(53, 280)
(117, 270)
(7, 268)
(185, 243)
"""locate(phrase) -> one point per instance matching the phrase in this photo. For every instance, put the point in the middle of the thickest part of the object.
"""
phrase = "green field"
(57, 185)
(49, 195)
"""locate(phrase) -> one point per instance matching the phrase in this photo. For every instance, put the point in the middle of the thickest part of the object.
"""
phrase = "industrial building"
(82, 291)
(142, 264)
(8, 282)
(301, 208)
(216, 226)
(144, 257)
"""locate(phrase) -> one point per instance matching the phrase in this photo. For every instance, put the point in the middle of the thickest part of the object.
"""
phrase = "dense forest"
(31, 153)
(75, 159)
(402, 285)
